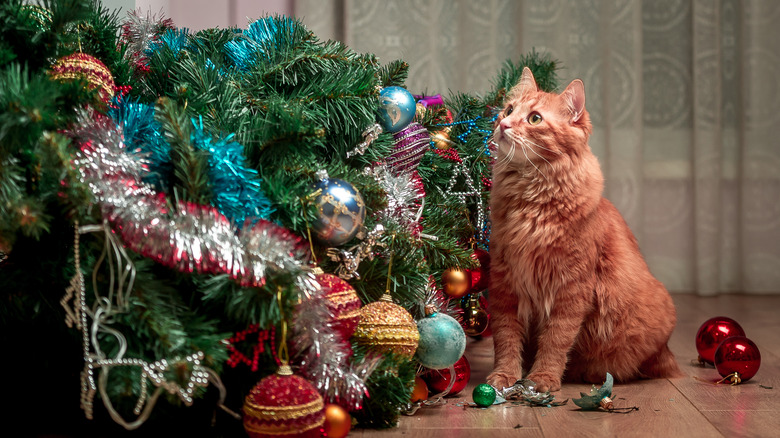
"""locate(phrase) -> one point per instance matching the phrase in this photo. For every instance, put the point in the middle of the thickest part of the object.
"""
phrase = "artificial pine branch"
(190, 165)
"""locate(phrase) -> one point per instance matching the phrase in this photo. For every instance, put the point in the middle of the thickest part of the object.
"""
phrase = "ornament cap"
(606, 403)
(431, 309)
(284, 370)
(386, 297)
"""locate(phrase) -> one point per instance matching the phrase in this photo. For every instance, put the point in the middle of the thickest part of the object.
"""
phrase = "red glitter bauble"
(480, 275)
(740, 355)
(343, 302)
(88, 68)
(712, 333)
(438, 380)
(283, 405)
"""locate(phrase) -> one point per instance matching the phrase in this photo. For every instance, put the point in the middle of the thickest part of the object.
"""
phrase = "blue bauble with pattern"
(396, 108)
(442, 341)
(341, 211)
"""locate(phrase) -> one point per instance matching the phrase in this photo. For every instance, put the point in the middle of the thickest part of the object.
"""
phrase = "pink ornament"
(410, 146)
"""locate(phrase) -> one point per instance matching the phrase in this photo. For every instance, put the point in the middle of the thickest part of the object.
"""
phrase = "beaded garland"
(87, 67)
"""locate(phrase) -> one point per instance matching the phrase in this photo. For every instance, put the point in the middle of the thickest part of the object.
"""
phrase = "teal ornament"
(484, 395)
(341, 211)
(396, 108)
(442, 340)
(598, 397)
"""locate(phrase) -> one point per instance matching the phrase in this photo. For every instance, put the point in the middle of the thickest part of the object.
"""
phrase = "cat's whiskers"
(541, 147)
(526, 144)
(530, 161)
(507, 158)
(540, 156)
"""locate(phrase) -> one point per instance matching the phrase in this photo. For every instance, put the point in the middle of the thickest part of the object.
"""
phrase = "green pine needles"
(289, 106)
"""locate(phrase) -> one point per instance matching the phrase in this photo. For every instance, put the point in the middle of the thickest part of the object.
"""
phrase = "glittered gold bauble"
(456, 282)
(338, 422)
(343, 302)
(441, 139)
(420, 391)
(88, 68)
(284, 405)
(386, 327)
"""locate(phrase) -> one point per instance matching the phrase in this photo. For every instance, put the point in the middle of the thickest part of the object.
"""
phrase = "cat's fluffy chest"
(540, 235)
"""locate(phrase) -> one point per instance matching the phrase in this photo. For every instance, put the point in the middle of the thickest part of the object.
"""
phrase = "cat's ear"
(574, 96)
(527, 83)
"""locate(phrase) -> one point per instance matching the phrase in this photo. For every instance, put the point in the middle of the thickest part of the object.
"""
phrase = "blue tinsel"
(142, 135)
(237, 190)
(173, 39)
(246, 49)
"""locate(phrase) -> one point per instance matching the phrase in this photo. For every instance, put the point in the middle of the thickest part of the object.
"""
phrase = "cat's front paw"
(500, 379)
(545, 381)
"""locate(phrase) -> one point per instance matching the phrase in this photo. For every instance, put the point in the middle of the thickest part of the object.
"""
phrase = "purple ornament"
(410, 146)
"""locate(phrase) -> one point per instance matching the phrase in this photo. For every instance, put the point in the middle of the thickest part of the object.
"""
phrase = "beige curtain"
(684, 97)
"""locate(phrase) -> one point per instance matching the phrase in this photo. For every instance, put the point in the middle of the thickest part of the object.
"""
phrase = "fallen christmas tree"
(184, 215)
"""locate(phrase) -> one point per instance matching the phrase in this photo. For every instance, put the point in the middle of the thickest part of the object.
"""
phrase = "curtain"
(684, 96)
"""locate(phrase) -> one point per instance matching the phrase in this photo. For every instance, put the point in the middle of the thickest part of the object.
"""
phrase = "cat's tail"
(660, 365)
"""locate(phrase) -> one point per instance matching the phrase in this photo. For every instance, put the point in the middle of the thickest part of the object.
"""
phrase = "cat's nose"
(504, 125)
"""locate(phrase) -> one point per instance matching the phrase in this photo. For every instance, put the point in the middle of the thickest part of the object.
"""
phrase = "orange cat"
(570, 293)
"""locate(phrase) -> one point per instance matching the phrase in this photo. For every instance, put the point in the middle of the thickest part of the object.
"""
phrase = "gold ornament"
(387, 327)
(456, 282)
(441, 139)
(88, 68)
(338, 422)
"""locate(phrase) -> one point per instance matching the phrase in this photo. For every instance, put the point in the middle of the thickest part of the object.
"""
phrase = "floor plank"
(663, 411)
(752, 424)
(689, 406)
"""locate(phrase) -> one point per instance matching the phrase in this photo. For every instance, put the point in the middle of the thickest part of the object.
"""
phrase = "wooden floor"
(683, 407)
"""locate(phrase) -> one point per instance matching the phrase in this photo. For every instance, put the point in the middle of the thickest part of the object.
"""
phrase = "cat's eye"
(535, 118)
(508, 110)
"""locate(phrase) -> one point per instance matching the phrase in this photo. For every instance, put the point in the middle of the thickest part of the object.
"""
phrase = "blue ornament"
(442, 340)
(341, 211)
(396, 108)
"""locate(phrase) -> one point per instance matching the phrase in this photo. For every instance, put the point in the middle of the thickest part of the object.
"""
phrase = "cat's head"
(539, 127)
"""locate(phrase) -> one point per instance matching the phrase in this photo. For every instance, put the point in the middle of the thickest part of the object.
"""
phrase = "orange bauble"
(338, 422)
(420, 391)
(456, 282)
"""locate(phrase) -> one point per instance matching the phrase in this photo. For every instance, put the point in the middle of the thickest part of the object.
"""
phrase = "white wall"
(202, 14)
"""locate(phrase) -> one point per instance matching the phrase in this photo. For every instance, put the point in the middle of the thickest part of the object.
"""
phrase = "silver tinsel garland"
(192, 238)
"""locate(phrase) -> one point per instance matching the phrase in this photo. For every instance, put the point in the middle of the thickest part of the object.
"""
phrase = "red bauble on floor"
(712, 333)
(738, 359)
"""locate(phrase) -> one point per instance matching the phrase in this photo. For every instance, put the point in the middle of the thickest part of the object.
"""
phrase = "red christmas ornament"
(480, 275)
(439, 380)
(88, 68)
(737, 358)
(343, 302)
(283, 405)
(712, 333)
